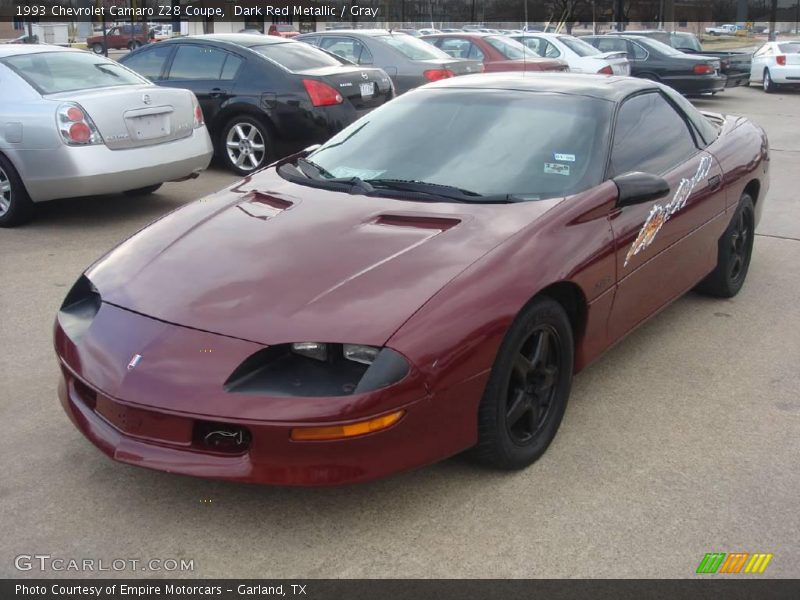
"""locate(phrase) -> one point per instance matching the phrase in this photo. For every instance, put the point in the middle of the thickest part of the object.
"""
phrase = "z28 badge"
(661, 214)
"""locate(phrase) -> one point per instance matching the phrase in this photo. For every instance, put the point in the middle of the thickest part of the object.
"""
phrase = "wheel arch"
(572, 299)
(753, 189)
(241, 109)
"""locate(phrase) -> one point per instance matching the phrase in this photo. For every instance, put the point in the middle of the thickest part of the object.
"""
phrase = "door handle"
(217, 93)
(714, 182)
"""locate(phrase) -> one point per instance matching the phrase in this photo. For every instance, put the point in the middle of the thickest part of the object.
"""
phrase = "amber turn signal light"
(338, 432)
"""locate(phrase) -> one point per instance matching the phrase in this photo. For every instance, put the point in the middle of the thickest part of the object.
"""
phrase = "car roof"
(364, 32)
(17, 49)
(547, 34)
(604, 87)
(464, 34)
(246, 40)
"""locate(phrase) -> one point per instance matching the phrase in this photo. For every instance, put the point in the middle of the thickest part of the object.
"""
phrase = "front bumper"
(146, 416)
(71, 171)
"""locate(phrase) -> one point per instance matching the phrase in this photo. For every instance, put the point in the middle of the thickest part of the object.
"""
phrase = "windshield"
(579, 47)
(56, 72)
(297, 56)
(491, 142)
(412, 48)
(509, 48)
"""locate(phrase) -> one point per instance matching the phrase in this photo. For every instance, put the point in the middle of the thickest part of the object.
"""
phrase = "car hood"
(274, 262)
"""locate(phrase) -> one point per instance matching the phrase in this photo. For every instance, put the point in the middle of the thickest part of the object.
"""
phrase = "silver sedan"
(76, 124)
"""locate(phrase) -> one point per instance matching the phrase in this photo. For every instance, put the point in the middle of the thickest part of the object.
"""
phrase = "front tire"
(98, 48)
(143, 191)
(526, 396)
(735, 250)
(15, 204)
(245, 145)
(769, 86)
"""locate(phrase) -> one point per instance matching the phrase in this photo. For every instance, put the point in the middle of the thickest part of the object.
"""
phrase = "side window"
(650, 136)
(231, 67)
(363, 53)
(475, 53)
(551, 51)
(197, 62)
(636, 52)
(150, 62)
(533, 44)
(611, 45)
(348, 48)
(455, 47)
(314, 40)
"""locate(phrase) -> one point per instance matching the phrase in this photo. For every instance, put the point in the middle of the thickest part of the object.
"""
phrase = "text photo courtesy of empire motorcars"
(473, 298)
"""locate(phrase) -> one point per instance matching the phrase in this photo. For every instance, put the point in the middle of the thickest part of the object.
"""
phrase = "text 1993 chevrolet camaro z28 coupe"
(426, 282)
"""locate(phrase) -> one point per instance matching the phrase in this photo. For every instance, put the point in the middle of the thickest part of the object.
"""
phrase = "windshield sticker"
(556, 169)
(661, 214)
(348, 172)
(563, 157)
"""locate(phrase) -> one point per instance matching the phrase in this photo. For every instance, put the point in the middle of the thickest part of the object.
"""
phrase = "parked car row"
(263, 97)
(100, 126)
(409, 61)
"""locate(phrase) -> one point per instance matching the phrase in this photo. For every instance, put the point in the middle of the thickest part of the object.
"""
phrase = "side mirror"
(638, 187)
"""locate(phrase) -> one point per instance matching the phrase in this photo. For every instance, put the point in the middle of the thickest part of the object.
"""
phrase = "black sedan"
(263, 97)
(651, 59)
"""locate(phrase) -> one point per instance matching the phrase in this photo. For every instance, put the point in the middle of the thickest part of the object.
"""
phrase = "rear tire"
(245, 145)
(527, 392)
(143, 191)
(769, 86)
(735, 248)
(133, 46)
(98, 48)
(16, 206)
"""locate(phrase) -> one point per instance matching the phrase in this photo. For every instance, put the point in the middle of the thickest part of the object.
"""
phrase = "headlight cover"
(79, 308)
(313, 369)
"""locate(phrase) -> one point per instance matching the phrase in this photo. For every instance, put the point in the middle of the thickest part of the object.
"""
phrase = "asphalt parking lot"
(682, 440)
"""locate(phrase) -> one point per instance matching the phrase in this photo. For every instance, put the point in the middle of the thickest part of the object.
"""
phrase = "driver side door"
(663, 247)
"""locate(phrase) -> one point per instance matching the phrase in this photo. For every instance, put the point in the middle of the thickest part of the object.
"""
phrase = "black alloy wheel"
(526, 396)
(533, 384)
(735, 249)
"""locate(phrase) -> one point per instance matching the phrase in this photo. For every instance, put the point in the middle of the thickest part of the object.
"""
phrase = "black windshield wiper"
(450, 192)
(306, 165)
(373, 187)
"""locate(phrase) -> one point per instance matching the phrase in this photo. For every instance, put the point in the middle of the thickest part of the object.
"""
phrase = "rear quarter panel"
(742, 150)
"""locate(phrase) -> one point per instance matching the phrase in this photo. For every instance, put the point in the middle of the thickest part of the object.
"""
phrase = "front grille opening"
(86, 394)
(221, 437)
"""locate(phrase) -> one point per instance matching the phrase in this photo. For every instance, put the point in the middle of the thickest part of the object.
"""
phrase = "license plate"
(150, 127)
(367, 89)
(146, 424)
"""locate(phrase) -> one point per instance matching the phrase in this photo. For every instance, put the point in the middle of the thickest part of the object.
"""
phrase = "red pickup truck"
(119, 37)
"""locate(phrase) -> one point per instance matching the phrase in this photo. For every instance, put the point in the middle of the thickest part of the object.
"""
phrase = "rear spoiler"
(612, 54)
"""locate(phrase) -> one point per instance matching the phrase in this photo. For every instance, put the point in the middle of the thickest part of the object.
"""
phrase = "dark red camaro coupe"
(426, 282)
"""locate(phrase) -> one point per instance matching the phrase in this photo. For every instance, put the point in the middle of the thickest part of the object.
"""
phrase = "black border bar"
(730, 588)
(412, 11)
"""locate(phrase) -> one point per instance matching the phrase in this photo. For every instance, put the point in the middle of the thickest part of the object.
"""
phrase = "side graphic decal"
(660, 214)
